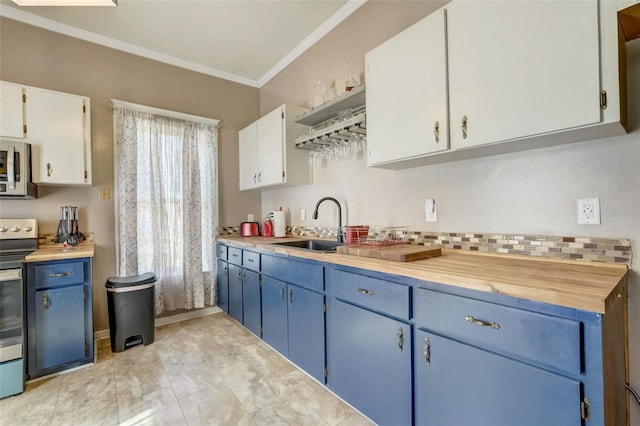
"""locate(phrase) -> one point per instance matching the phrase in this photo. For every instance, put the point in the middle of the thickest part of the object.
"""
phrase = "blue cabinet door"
(306, 330)
(457, 385)
(369, 358)
(235, 292)
(274, 314)
(222, 282)
(60, 327)
(251, 312)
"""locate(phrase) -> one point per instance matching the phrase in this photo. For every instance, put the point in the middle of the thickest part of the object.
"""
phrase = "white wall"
(527, 192)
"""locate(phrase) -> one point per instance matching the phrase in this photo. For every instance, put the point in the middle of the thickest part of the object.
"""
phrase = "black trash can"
(131, 302)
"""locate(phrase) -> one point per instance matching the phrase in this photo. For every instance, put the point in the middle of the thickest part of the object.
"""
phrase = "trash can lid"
(118, 282)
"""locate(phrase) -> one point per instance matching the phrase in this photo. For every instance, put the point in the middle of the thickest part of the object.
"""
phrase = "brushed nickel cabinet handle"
(436, 131)
(365, 291)
(427, 351)
(45, 301)
(226, 270)
(291, 295)
(400, 338)
(281, 293)
(260, 177)
(255, 180)
(49, 169)
(481, 323)
(60, 274)
(464, 126)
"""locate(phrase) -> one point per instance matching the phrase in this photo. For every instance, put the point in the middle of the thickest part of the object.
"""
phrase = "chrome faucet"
(340, 230)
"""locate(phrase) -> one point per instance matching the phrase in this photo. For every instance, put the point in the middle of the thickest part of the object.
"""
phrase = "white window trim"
(116, 103)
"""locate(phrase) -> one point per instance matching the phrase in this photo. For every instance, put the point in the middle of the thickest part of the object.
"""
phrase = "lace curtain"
(166, 205)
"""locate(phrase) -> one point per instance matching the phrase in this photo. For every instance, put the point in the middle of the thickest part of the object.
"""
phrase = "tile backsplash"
(590, 249)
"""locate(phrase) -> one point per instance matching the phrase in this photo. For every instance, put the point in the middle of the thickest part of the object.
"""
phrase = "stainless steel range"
(18, 238)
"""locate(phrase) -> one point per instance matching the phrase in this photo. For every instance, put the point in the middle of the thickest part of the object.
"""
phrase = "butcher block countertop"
(58, 252)
(581, 285)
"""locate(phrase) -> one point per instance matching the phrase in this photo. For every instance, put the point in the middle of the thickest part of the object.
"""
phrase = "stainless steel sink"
(315, 245)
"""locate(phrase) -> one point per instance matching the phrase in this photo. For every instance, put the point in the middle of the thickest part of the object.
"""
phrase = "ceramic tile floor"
(205, 371)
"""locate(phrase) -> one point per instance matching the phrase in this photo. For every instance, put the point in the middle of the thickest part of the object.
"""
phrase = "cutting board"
(398, 253)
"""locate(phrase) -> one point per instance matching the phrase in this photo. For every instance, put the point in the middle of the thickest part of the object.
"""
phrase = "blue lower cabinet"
(60, 338)
(369, 358)
(293, 324)
(222, 283)
(251, 312)
(59, 316)
(235, 292)
(458, 384)
(274, 315)
(306, 330)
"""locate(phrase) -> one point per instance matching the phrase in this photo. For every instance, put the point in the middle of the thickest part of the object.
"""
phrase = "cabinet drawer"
(383, 296)
(251, 260)
(304, 274)
(234, 255)
(58, 274)
(221, 251)
(543, 339)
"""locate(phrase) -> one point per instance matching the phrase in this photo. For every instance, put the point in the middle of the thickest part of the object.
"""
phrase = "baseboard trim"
(196, 313)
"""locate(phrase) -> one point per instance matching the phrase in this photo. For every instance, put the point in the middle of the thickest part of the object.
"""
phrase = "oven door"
(11, 314)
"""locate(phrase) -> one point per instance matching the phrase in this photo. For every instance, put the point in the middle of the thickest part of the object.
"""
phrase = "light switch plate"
(250, 218)
(105, 193)
(430, 210)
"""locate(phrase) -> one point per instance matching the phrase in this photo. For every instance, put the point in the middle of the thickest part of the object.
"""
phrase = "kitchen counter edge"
(585, 286)
(58, 252)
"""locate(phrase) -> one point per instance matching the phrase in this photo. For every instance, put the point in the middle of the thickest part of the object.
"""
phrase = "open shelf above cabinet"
(353, 99)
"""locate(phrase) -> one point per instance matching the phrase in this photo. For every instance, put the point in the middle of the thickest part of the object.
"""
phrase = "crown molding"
(48, 24)
(71, 31)
(343, 13)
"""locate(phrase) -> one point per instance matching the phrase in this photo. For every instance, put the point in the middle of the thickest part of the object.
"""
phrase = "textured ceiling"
(241, 40)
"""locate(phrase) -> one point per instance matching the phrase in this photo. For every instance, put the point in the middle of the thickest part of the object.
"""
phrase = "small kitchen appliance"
(18, 238)
(15, 170)
(249, 229)
(267, 226)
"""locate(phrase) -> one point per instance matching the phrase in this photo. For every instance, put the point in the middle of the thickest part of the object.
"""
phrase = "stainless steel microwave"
(15, 170)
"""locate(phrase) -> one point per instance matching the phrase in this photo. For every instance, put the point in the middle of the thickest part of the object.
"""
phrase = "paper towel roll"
(279, 224)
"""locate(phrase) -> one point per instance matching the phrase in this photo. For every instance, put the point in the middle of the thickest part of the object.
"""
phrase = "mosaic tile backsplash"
(589, 249)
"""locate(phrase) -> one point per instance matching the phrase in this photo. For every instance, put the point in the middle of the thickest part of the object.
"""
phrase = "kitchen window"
(166, 202)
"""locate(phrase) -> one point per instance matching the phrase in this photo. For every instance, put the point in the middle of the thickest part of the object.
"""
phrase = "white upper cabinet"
(11, 114)
(248, 153)
(58, 128)
(497, 77)
(271, 148)
(518, 69)
(267, 154)
(407, 93)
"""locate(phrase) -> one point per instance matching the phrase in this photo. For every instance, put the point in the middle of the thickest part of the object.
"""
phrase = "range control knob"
(27, 228)
(15, 228)
(3, 229)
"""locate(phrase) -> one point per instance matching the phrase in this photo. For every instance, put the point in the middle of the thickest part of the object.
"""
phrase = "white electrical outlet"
(588, 211)
(250, 217)
(303, 214)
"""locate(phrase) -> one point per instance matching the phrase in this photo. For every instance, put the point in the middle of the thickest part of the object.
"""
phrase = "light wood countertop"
(581, 285)
(58, 252)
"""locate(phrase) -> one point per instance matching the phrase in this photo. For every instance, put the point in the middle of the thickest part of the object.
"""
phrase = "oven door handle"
(11, 168)
(10, 275)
